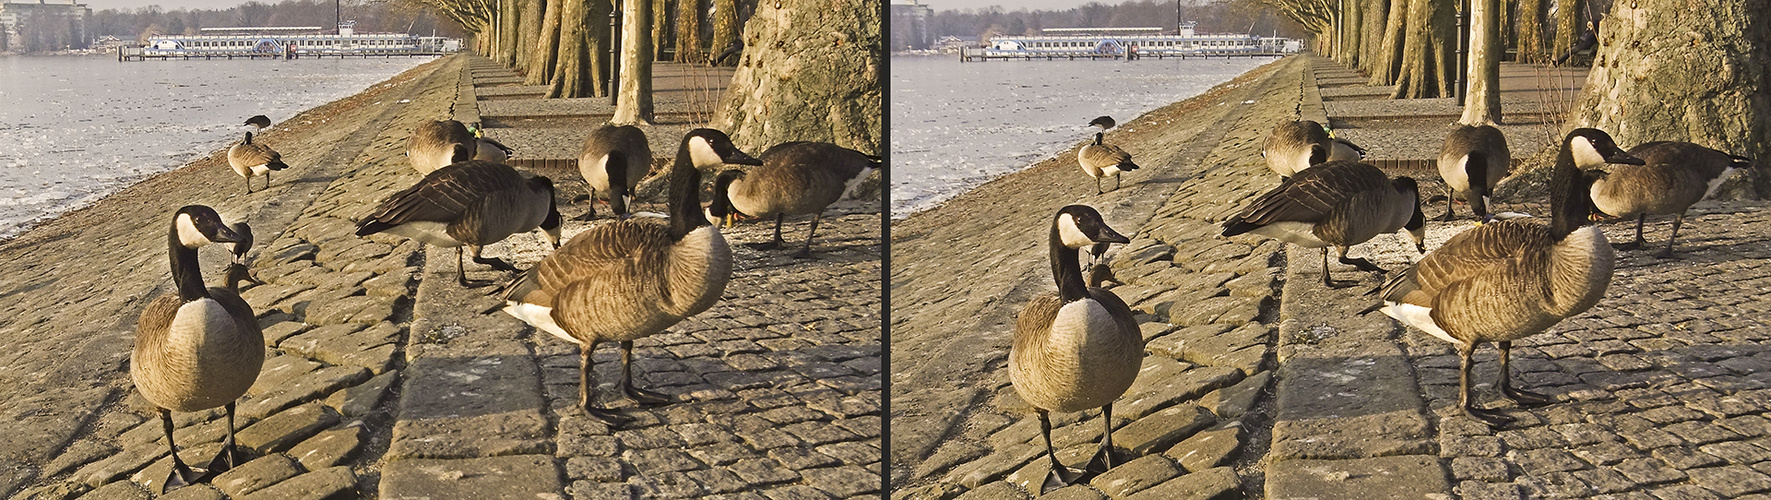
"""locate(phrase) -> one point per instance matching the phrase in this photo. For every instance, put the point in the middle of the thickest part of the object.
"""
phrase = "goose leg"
(641, 395)
(1098, 186)
(587, 390)
(1361, 263)
(1329, 282)
(1640, 220)
(1115, 182)
(776, 242)
(590, 205)
(495, 262)
(1491, 417)
(1060, 476)
(267, 179)
(1668, 253)
(228, 457)
(806, 252)
(1103, 460)
(1521, 396)
(181, 474)
(1448, 217)
(248, 184)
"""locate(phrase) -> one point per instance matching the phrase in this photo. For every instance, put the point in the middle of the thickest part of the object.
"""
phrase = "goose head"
(722, 208)
(1417, 222)
(707, 147)
(1591, 147)
(248, 138)
(1571, 199)
(550, 225)
(1078, 226)
(1105, 122)
(198, 225)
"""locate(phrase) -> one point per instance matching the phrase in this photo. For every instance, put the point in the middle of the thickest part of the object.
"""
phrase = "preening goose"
(613, 161)
(1104, 160)
(632, 278)
(1472, 161)
(796, 178)
(1675, 176)
(432, 145)
(197, 348)
(1339, 204)
(1507, 280)
(1297, 145)
(1078, 348)
(259, 121)
(487, 149)
(471, 204)
(253, 160)
(238, 270)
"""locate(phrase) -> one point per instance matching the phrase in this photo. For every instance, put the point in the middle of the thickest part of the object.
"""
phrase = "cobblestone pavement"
(383, 379)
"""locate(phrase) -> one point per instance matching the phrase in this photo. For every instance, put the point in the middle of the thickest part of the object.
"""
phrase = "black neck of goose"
(616, 169)
(1067, 269)
(1570, 204)
(185, 272)
(1098, 137)
(685, 199)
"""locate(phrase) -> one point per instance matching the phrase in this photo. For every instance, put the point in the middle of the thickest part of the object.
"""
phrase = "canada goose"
(1338, 203)
(253, 160)
(632, 278)
(1507, 280)
(1078, 348)
(1103, 160)
(1297, 145)
(487, 149)
(198, 348)
(259, 121)
(1675, 176)
(432, 145)
(601, 157)
(472, 204)
(795, 178)
(237, 270)
(1470, 154)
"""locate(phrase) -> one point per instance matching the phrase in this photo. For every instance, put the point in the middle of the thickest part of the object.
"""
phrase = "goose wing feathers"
(608, 282)
(252, 155)
(1496, 249)
(1310, 196)
(1105, 155)
(443, 195)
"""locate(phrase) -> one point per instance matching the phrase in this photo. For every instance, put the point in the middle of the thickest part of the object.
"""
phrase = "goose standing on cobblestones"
(1472, 161)
(796, 178)
(253, 160)
(1337, 204)
(1078, 348)
(1675, 176)
(1297, 145)
(197, 348)
(632, 278)
(1512, 279)
(487, 149)
(1104, 160)
(471, 204)
(613, 161)
(432, 145)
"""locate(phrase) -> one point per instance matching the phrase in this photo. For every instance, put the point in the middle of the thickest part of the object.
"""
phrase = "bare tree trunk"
(1665, 71)
(1505, 41)
(634, 104)
(725, 28)
(789, 88)
(661, 29)
(509, 15)
(1428, 67)
(1482, 103)
(1531, 34)
(1570, 23)
(584, 35)
(529, 31)
(1372, 37)
(547, 45)
(1348, 30)
(1389, 63)
(688, 32)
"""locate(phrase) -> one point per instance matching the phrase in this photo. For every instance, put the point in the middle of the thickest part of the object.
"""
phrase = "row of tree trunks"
(688, 32)
(633, 105)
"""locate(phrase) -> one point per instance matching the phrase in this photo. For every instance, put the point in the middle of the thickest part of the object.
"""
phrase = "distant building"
(42, 25)
(910, 26)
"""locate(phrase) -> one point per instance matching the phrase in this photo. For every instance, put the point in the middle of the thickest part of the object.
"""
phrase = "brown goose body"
(1338, 204)
(470, 204)
(635, 155)
(432, 144)
(796, 178)
(1472, 161)
(1674, 176)
(1297, 145)
(1100, 160)
(252, 160)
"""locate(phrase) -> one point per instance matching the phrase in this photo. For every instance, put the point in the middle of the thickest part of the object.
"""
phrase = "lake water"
(76, 128)
(957, 125)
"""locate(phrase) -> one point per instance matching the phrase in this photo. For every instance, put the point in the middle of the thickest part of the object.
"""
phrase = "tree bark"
(1376, 12)
(795, 83)
(529, 31)
(1570, 23)
(547, 45)
(1389, 62)
(582, 64)
(509, 17)
(1429, 53)
(1347, 28)
(1482, 102)
(688, 32)
(634, 105)
(1666, 72)
(661, 30)
(725, 28)
(1532, 14)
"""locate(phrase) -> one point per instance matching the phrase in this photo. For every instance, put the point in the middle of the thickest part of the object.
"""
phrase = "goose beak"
(737, 157)
(1623, 158)
(1108, 235)
(223, 234)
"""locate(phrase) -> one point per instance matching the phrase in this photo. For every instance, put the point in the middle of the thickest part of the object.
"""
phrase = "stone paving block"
(993, 491)
(759, 471)
(995, 465)
(1163, 429)
(470, 405)
(362, 399)
(120, 490)
(844, 481)
(1478, 490)
(1208, 448)
(195, 492)
(1649, 471)
(329, 447)
(131, 459)
(284, 429)
(275, 333)
(1485, 469)
(1731, 481)
(255, 475)
(78, 453)
(1135, 476)
(153, 476)
(314, 485)
(1163, 383)
(302, 389)
(1406, 476)
(1218, 483)
(1234, 401)
(280, 369)
(526, 476)
(598, 469)
(1075, 492)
